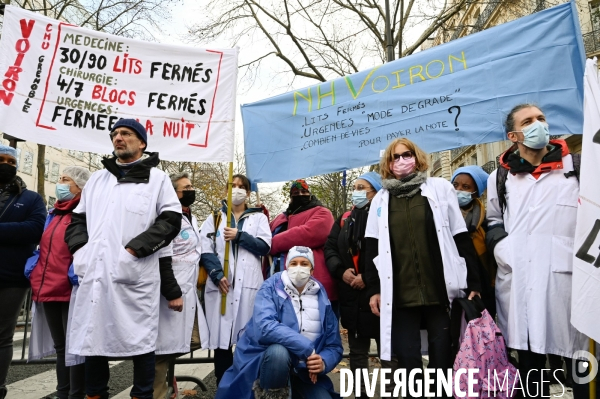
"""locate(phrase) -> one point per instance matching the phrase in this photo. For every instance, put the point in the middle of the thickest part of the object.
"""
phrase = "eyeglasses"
(124, 134)
(404, 155)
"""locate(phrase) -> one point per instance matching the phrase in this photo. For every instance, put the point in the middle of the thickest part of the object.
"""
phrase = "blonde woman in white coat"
(250, 239)
(419, 258)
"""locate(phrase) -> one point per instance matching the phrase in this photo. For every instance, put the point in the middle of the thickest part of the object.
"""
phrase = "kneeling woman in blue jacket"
(292, 340)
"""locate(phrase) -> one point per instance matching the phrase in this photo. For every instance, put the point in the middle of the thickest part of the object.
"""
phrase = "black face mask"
(7, 173)
(189, 197)
(299, 201)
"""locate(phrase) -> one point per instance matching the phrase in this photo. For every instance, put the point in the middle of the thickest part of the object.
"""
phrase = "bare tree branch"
(442, 18)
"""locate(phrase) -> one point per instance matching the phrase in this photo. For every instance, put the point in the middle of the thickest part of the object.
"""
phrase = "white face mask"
(238, 196)
(536, 136)
(299, 275)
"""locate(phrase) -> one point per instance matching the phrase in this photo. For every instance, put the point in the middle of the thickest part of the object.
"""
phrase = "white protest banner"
(585, 305)
(66, 86)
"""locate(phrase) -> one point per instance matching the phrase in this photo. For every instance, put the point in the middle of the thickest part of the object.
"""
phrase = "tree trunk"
(41, 171)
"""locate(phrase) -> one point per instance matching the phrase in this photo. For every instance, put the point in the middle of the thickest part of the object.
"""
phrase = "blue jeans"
(276, 373)
(97, 375)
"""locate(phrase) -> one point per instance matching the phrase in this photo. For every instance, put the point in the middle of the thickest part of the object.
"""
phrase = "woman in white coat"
(181, 322)
(419, 258)
(250, 239)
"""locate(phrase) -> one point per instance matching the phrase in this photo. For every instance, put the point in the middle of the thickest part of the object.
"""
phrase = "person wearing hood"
(532, 212)
(250, 239)
(470, 182)
(292, 340)
(305, 222)
(51, 275)
(22, 215)
(420, 257)
(345, 257)
(120, 235)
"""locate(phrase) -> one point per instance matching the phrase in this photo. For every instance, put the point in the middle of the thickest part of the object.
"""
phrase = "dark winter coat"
(355, 312)
(22, 216)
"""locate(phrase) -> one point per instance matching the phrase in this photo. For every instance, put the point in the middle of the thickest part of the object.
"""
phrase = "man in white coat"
(185, 330)
(124, 224)
(531, 212)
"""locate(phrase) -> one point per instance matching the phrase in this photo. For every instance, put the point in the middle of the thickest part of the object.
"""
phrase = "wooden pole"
(594, 381)
(227, 243)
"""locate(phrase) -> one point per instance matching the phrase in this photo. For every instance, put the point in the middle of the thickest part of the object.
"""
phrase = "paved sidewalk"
(210, 381)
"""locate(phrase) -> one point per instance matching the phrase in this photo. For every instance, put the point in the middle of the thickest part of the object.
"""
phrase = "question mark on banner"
(457, 114)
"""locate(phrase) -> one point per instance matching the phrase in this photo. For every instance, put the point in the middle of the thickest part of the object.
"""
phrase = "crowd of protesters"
(114, 269)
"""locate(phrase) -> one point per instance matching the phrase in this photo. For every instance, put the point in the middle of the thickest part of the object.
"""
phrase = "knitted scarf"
(407, 186)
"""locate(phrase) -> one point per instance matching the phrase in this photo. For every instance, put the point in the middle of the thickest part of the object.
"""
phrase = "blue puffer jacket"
(274, 322)
(21, 226)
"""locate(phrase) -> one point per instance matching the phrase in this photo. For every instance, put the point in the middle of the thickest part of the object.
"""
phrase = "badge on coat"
(184, 234)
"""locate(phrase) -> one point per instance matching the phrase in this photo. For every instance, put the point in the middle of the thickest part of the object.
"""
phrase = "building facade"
(480, 15)
(55, 161)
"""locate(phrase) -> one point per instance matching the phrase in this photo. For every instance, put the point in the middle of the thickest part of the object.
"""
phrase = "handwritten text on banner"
(66, 86)
(448, 96)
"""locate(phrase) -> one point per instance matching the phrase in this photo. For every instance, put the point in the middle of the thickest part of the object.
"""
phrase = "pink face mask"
(402, 167)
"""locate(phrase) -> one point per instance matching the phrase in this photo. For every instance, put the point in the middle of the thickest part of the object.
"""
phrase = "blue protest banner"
(448, 96)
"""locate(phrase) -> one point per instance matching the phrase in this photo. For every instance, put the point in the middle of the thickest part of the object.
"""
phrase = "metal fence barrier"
(170, 374)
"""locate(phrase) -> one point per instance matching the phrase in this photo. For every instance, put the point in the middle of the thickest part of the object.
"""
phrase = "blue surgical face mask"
(464, 198)
(359, 198)
(63, 192)
(536, 135)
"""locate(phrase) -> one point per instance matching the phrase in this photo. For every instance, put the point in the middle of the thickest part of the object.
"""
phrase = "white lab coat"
(535, 260)
(175, 328)
(448, 221)
(246, 271)
(116, 308)
(41, 343)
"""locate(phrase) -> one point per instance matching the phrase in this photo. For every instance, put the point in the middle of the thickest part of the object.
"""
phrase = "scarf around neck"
(357, 225)
(407, 186)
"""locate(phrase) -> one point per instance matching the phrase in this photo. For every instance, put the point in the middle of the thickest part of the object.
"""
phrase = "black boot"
(3, 391)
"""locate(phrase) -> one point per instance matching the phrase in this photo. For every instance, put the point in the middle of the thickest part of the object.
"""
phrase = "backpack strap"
(576, 165)
(576, 159)
(501, 176)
